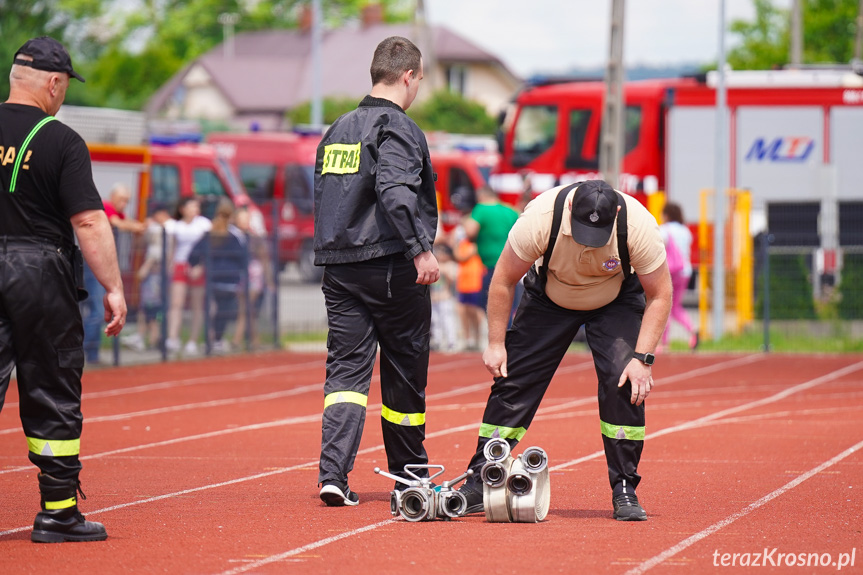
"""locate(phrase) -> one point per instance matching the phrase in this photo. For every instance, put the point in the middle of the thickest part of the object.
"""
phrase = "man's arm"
(509, 270)
(657, 292)
(127, 225)
(97, 244)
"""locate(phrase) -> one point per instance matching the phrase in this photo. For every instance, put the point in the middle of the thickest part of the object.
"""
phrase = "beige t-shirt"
(580, 277)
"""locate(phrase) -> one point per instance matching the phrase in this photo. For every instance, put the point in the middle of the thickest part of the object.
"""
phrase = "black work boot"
(60, 519)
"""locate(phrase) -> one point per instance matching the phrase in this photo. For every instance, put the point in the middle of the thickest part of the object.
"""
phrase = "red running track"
(210, 467)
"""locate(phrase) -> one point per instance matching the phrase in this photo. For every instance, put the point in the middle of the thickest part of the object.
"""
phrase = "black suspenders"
(622, 246)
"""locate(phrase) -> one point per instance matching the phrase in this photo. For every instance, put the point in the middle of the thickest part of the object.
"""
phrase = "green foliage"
(126, 55)
(829, 30)
(764, 42)
(790, 289)
(851, 287)
(449, 112)
(333, 108)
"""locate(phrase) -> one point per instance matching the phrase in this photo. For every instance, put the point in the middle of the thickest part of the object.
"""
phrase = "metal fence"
(271, 306)
(806, 278)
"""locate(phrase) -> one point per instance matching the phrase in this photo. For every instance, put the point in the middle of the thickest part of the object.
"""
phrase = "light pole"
(228, 20)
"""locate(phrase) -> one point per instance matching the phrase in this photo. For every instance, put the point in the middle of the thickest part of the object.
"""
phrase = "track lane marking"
(704, 533)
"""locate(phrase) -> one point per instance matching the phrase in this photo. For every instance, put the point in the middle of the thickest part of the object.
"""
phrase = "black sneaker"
(338, 494)
(627, 508)
(473, 494)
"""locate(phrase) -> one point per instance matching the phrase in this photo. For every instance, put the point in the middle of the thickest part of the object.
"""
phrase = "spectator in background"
(469, 290)
(488, 226)
(678, 248)
(260, 279)
(92, 310)
(225, 258)
(186, 229)
(151, 309)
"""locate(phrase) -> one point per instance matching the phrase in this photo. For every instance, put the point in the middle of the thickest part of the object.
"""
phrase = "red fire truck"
(278, 168)
(795, 137)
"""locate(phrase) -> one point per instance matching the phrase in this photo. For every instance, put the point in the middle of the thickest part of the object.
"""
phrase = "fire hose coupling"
(422, 500)
(515, 489)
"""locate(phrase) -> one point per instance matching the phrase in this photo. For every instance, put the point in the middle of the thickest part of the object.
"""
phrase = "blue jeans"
(93, 311)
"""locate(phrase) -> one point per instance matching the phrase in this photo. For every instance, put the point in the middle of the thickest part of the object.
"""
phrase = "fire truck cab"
(794, 136)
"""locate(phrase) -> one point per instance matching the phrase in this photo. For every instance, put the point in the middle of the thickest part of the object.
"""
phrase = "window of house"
(456, 79)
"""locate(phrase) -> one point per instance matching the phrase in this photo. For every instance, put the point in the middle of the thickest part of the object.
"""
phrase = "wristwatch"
(645, 358)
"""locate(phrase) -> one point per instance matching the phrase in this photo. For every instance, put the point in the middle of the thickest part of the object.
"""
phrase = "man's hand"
(115, 312)
(428, 271)
(494, 358)
(641, 377)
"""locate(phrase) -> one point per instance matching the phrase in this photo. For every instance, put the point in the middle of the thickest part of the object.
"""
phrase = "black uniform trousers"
(536, 343)
(370, 303)
(41, 334)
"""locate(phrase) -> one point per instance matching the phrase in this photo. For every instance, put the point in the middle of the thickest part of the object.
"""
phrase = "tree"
(128, 52)
(828, 35)
(64, 20)
(449, 112)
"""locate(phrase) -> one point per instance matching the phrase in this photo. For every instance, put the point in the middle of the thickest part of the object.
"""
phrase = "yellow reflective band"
(345, 397)
(341, 159)
(402, 418)
(54, 447)
(492, 431)
(65, 504)
(622, 431)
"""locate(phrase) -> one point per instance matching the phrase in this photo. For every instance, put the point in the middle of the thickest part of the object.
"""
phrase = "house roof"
(269, 71)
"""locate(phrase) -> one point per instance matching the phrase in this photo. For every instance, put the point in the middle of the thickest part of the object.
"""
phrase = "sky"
(555, 36)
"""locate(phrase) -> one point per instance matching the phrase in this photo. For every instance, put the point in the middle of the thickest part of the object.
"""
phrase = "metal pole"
(858, 44)
(611, 145)
(274, 262)
(426, 45)
(317, 90)
(765, 259)
(227, 20)
(164, 286)
(796, 34)
(721, 183)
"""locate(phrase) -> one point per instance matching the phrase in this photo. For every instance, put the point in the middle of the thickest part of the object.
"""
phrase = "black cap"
(594, 209)
(48, 54)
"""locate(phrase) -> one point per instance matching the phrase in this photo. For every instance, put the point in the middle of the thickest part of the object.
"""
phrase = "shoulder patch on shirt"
(341, 159)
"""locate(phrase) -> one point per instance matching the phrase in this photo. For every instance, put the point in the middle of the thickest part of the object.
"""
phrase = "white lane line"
(370, 409)
(222, 402)
(441, 433)
(216, 378)
(304, 548)
(701, 421)
(693, 539)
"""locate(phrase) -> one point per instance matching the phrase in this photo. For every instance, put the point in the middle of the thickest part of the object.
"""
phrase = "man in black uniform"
(46, 193)
(375, 222)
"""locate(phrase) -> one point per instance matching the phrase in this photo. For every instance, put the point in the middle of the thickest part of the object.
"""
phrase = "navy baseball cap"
(594, 209)
(48, 54)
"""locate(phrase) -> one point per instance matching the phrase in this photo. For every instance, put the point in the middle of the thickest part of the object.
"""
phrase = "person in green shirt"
(488, 226)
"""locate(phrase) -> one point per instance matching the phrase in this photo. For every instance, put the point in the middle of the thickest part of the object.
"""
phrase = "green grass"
(783, 340)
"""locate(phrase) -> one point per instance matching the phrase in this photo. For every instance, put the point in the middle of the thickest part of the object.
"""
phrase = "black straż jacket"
(374, 187)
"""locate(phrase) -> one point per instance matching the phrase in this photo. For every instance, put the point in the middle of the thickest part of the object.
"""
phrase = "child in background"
(469, 288)
(151, 308)
(444, 330)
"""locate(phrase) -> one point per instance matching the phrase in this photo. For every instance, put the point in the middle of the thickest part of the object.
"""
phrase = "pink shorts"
(181, 275)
